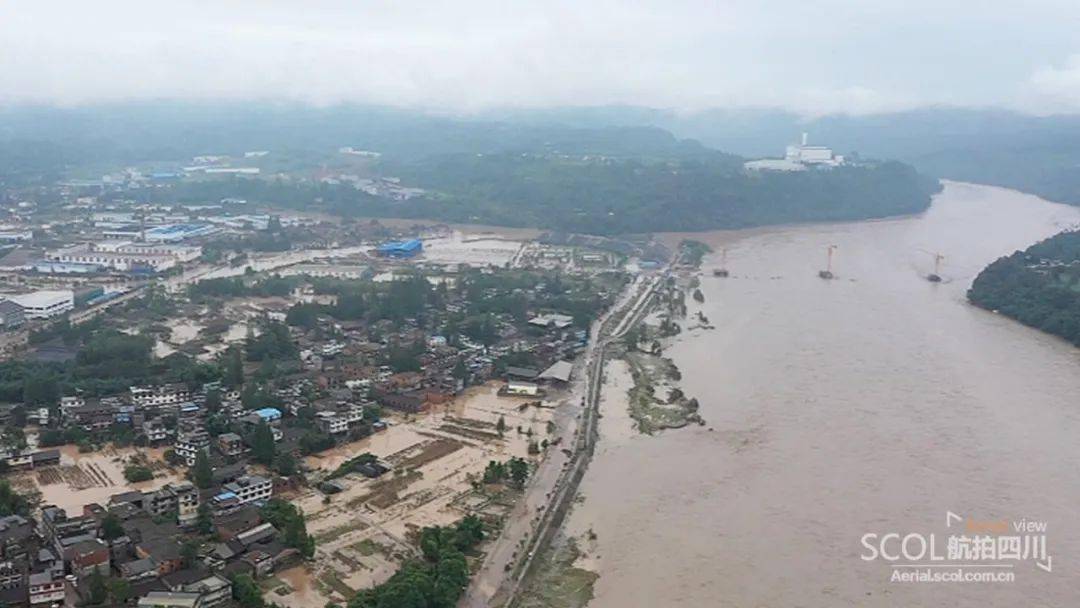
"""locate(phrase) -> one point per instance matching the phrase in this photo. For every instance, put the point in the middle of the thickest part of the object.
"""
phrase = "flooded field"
(434, 458)
(81, 479)
(460, 248)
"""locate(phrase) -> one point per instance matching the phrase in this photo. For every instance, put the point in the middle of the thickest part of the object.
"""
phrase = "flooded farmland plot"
(475, 251)
(363, 532)
(81, 479)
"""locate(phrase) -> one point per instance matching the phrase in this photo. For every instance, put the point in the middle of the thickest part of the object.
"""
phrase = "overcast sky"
(811, 56)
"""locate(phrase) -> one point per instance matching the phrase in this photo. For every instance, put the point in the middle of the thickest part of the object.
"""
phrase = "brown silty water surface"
(871, 403)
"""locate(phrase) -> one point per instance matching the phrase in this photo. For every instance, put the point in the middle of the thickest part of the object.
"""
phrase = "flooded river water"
(872, 403)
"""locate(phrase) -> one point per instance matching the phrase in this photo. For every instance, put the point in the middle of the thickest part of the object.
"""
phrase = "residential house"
(231, 444)
(190, 442)
(158, 398)
(171, 599)
(46, 589)
(87, 556)
(138, 570)
(213, 590)
(155, 431)
(331, 423)
(250, 488)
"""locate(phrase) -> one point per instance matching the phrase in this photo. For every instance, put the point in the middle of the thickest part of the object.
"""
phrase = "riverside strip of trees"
(1039, 286)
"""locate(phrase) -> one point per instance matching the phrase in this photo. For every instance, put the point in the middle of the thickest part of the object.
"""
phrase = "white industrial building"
(181, 253)
(15, 235)
(811, 155)
(45, 304)
(798, 157)
(126, 256)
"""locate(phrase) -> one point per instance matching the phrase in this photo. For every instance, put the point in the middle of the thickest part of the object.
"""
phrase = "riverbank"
(865, 404)
(1039, 286)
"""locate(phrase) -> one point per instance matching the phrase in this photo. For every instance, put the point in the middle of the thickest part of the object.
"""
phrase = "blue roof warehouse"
(401, 249)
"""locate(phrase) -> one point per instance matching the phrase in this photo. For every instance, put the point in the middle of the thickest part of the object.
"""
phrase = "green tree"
(262, 444)
(213, 401)
(202, 474)
(234, 368)
(204, 521)
(41, 388)
(470, 531)
(285, 464)
(460, 371)
(111, 527)
(288, 518)
(519, 471)
(437, 580)
(246, 592)
(173, 458)
(119, 590)
(98, 588)
(189, 552)
(137, 472)
(495, 472)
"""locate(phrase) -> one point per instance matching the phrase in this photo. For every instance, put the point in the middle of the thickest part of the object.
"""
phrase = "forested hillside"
(604, 196)
(600, 179)
(1035, 154)
(1039, 287)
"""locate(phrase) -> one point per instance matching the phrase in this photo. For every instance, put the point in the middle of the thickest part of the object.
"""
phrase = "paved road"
(554, 484)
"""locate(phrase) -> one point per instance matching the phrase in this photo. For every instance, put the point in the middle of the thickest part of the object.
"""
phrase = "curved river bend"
(872, 403)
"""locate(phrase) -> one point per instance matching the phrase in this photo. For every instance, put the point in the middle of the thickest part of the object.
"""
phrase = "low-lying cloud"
(812, 57)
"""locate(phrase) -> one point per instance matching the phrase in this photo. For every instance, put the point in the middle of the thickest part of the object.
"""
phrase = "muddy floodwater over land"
(872, 403)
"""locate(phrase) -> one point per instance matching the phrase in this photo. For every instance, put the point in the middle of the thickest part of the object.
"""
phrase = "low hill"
(1039, 286)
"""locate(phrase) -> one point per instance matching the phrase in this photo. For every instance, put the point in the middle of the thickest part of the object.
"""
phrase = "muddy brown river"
(873, 403)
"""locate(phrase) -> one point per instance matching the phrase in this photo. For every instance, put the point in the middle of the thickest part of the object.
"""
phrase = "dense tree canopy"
(1039, 287)
(631, 196)
(436, 580)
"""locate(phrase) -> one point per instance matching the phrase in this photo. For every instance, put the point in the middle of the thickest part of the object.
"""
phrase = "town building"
(45, 304)
(164, 396)
(246, 489)
(401, 249)
(331, 423)
(231, 444)
(46, 589)
(213, 590)
(190, 442)
(88, 556)
(155, 431)
(171, 599)
(12, 315)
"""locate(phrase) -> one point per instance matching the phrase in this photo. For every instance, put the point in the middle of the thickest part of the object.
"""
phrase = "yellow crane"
(722, 270)
(828, 273)
(934, 277)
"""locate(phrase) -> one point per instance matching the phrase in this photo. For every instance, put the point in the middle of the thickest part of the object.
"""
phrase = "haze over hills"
(594, 176)
(1036, 154)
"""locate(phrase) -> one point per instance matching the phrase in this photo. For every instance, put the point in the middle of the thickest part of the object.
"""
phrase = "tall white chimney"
(805, 138)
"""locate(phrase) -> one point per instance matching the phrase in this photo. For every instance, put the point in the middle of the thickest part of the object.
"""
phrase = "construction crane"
(722, 270)
(935, 277)
(828, 273)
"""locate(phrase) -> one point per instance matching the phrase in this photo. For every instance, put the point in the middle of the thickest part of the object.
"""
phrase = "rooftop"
(45, 297)
(268, 413)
